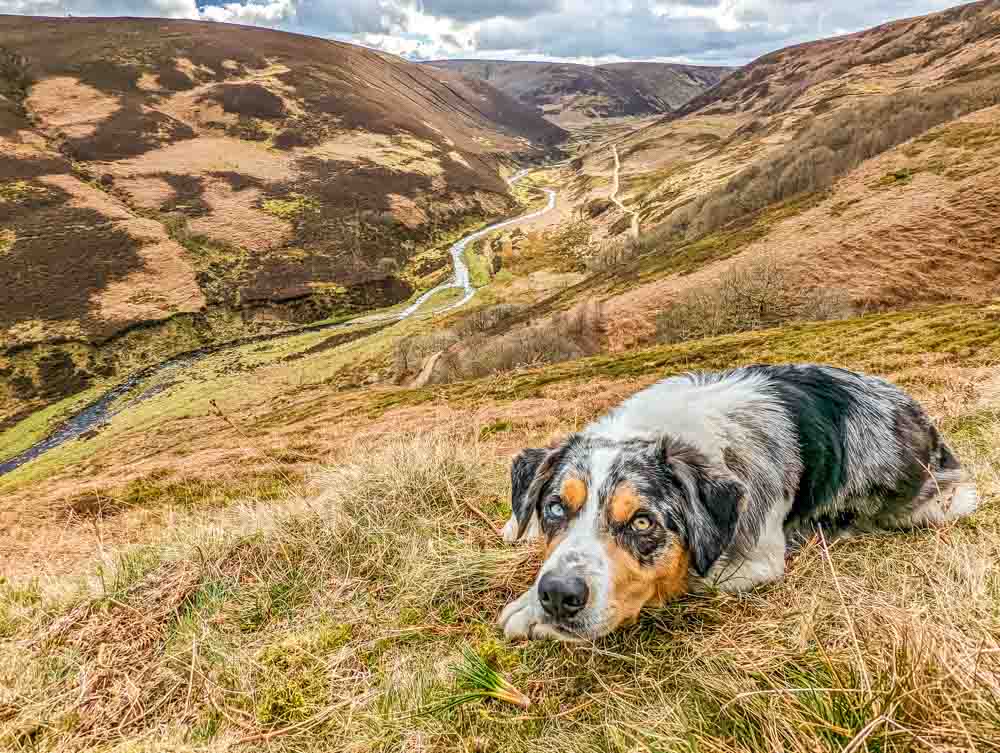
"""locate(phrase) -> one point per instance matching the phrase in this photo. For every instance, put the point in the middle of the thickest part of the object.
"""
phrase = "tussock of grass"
(335, 620)
(477, 680)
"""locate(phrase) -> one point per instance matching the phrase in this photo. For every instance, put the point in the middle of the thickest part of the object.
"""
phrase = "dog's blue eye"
(555, 510)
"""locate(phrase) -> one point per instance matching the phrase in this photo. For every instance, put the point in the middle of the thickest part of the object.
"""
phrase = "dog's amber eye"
(642, 523)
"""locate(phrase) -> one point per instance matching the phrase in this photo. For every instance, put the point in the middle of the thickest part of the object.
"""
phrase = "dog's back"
(853, 451)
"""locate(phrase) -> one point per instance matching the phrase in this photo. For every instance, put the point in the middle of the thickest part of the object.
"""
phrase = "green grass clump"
(493, 428)
(476, 681)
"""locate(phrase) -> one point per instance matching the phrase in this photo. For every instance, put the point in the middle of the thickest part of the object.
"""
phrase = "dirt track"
(634, 229)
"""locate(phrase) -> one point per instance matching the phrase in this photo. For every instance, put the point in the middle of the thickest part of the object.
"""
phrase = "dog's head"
(624, 523)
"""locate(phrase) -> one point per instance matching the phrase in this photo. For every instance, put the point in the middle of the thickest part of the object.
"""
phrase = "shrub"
(613, 252)
(567, 335)
(484, 319)
(250, 100)
(754, 295)
(15, 78)
(597, 207)
(411, 352)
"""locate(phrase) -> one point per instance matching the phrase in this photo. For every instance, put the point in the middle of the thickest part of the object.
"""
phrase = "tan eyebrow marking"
(625, 503)
(574, 493)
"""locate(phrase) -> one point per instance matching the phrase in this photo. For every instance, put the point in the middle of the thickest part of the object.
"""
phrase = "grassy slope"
(332, 611)
(333, 618)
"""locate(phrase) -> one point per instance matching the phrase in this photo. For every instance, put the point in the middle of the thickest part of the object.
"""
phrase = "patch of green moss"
(291, 684)
(332, 636)
(498, 654)
(291, 207)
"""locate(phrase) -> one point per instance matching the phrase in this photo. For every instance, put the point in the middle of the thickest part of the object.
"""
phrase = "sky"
(708, 32)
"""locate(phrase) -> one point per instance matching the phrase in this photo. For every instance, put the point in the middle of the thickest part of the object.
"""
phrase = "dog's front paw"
(510, 531)
(521, 618)
(511, 527)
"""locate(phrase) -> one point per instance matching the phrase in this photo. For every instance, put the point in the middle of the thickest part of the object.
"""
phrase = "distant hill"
(151, 170)
(567, 92)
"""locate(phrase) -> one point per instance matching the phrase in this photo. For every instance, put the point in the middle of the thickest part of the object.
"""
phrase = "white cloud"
(265, 14)
(708, 31)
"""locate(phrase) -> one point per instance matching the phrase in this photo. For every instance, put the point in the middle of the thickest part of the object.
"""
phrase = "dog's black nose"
(562, 596)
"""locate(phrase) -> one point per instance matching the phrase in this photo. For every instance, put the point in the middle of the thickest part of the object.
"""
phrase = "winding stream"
(102, 410)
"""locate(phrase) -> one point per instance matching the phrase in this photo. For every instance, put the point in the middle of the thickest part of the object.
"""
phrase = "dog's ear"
(522, 473)
(529, 473)
(713, 503)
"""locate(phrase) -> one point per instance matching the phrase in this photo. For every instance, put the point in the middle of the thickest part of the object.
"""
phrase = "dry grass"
(333, 621)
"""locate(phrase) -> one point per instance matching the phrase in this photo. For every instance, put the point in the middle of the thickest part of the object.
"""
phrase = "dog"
(704, 480)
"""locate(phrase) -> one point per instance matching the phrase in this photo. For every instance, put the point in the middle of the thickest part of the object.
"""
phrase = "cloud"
(700, 31)
(322, 17)
(159, 8)
(265, 14)
(465, 11)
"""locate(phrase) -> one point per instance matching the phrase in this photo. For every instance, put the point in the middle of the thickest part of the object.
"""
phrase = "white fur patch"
(965, 500)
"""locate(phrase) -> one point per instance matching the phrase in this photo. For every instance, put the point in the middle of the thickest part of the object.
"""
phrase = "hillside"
(569, 93)
(216, 180)
(867, 164)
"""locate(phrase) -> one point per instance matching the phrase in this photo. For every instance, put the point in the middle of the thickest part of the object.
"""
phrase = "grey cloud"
(466, 10)
(162, 8)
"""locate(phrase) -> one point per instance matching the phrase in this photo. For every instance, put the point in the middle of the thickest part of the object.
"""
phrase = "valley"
(282, 310)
